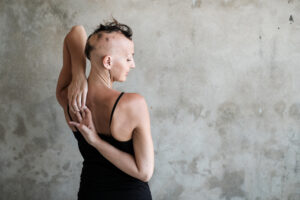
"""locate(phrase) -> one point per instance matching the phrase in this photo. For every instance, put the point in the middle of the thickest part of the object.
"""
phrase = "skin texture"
(111, 60)
(74, 61)
(112, 53)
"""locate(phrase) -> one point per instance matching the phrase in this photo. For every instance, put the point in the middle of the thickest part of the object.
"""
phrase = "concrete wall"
(221, 79)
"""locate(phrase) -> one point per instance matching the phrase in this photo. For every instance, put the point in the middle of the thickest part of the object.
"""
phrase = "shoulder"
(134, 101)
(136, 108)
(134, 105)
(134, 97)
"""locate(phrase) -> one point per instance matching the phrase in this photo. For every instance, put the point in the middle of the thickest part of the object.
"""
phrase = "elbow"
(58, 94)
(76, 28)
(146, 176)
(75, 31)
(58, 97)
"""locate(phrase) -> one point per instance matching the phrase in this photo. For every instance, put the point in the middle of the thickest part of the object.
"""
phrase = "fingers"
(87, 110)
(83, 113)
(84, 94)
(70, 98)
(75, 124)
(87, 113)
(81, 127)
(74, 104)
(78, 100)
(78, 115)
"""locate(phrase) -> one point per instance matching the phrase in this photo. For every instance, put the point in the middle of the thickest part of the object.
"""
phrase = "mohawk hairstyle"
(108, 27)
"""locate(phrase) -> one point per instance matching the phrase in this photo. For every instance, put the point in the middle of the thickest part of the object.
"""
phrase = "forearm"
(122, 160)
(74, 64)
(78, 72)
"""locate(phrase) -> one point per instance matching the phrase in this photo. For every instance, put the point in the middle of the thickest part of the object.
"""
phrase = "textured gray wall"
(221, 79)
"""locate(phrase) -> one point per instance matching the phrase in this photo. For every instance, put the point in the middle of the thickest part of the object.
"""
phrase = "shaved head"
(101, 38)
(110, 49)
(104, 44)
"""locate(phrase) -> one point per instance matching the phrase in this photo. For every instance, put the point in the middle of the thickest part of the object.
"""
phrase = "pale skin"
(131, 118)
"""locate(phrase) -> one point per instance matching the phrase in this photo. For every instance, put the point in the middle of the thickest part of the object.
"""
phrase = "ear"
(107, 62)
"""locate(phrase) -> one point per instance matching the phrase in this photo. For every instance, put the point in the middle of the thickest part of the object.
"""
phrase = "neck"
(100, 77)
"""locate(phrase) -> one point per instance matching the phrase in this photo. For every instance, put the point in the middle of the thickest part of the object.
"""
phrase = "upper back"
(111, 113)
(125, 117)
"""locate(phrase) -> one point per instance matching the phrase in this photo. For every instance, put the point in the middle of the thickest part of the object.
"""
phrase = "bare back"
(130, 120)
(109, 112)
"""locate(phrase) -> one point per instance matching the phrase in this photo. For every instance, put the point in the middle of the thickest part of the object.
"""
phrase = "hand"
(77, 92)
(86, 127)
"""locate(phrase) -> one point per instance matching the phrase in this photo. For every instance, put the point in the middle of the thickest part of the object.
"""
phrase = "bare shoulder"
(135, 102)
(134, 98)
(137, 110)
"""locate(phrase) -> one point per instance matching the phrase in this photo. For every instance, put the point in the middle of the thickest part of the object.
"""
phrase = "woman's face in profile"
(123, 61)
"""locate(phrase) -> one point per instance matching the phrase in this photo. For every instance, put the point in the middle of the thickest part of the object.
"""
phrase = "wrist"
(78, 76)
(97, 143)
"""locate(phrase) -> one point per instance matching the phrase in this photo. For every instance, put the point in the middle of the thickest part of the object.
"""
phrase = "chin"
(122, 80)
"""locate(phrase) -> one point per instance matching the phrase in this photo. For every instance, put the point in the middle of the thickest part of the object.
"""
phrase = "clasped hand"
(86, 126)
(77, 92)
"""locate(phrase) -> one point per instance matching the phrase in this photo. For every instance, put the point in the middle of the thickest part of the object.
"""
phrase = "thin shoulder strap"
(71, 117)
(115, 107)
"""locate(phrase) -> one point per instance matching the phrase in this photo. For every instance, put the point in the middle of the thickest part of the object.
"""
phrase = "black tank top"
(100, 179)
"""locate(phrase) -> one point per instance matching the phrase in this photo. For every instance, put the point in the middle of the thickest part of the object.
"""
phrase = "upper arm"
(62, 98)
(142, 139)
(73, 58)
(76, 40)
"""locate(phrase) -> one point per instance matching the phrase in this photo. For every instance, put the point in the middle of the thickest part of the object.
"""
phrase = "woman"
(113, 129)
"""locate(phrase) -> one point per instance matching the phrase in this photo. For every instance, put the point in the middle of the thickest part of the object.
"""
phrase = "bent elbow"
(77, 28)
(58, 94)
(146, 176)
(59, 98)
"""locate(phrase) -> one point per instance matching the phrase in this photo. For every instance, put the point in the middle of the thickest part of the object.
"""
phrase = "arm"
(141, 165)
(72, 83)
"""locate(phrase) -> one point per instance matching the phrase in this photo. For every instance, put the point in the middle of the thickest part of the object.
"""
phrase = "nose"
(133, 65)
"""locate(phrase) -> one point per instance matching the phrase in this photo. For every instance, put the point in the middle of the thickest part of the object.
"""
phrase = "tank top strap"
(115, 107)
(70, 116)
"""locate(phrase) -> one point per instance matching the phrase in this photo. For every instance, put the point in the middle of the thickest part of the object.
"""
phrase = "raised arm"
(72, 84)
